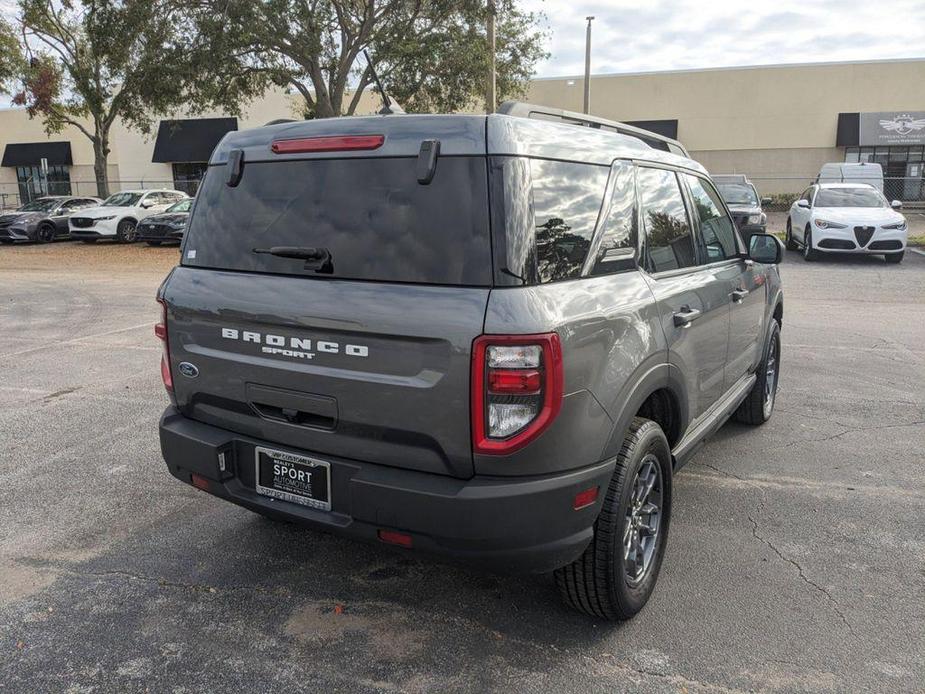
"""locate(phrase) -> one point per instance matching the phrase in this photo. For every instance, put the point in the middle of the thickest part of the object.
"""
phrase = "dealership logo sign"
(897, 128)
(903, 124)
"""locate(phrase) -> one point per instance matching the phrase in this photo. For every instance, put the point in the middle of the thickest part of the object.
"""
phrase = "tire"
(45, 233)
(758, 405)
(599, 582)
(894, 257)
(126, 232)
(791, 244)
(809, 253)
(154, 243)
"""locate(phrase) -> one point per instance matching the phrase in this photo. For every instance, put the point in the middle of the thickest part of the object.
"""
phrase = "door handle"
(685, 316)
(738, 294)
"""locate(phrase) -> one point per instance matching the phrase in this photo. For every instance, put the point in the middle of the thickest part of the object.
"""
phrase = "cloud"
(688, 34)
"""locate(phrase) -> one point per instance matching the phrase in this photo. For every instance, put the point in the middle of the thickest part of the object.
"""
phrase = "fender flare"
(661, 376)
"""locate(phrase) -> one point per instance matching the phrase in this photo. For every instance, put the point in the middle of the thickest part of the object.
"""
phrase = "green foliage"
(431, 55)
(11, 57)
(93, 61)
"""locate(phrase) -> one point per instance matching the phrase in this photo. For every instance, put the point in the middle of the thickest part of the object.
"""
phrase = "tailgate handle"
(293, 407)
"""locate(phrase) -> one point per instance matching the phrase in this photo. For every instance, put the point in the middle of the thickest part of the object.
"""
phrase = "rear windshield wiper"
(317, 259)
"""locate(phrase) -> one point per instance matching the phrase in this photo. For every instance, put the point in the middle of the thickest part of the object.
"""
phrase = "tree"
(93, 61)
(10, 57)
(430, 54)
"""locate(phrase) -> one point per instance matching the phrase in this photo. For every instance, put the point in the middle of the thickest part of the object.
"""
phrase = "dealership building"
(778, 124)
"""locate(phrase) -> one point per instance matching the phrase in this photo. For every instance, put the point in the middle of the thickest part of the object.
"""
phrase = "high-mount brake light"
(333, 143)
(517, 390)
(160, 331)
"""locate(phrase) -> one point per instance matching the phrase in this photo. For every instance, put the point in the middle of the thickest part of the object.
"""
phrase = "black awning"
(190, 140)
(667, 128)
(849, 130)
(32, 153)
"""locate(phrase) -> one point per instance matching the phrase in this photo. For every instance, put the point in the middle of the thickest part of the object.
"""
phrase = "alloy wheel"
(643, 520)
(771, 375)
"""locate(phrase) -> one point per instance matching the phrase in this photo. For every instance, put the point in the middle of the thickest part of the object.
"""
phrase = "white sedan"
(118, 216)
(846, 218)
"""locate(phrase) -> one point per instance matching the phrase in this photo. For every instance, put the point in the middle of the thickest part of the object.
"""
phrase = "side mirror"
(897, 204)
(803, 203)
(64, 210)
(764, 248)
(147, 203)
(765, 201)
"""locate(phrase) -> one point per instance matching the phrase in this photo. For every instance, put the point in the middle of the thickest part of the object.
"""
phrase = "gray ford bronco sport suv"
(489, 338)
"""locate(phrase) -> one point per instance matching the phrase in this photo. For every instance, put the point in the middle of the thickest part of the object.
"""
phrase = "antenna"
(388, 106)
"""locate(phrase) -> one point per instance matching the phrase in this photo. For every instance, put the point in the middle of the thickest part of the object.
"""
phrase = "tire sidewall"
(126, 225)
(45, 234)
(632, 598)
(773, 334)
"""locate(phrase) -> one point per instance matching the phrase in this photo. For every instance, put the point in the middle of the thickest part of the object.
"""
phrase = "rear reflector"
(514, 381)
(200, 482)
(585, 498)
(391, 537)
(338, 143)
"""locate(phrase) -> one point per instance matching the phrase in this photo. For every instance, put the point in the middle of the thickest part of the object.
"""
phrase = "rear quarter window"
(544, 213)
(372, 215)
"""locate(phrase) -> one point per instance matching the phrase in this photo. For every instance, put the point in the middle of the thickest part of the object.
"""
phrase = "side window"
(617, 249)
(669, 244)
(717, 235)
(566, 202)
(807, 194)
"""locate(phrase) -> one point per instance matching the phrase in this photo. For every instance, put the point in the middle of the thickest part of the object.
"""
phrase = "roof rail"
(522, 109)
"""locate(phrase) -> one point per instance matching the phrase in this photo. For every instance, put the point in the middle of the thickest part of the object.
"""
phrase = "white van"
(863, 172)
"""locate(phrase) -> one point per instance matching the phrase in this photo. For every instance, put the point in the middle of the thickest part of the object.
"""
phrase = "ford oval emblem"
(187, 369)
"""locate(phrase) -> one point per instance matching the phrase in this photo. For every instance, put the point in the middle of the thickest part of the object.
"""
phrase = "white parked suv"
(846, 218)
(120, 213)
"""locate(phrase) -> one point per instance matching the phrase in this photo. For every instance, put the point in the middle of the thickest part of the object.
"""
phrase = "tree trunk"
(100, 164)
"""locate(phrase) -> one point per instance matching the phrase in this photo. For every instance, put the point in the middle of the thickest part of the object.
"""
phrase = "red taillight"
(337, 143)
(517, 389)
(160, 330)
(199, 482)
(392, 537)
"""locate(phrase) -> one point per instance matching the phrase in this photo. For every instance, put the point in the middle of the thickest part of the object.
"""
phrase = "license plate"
(294, 478)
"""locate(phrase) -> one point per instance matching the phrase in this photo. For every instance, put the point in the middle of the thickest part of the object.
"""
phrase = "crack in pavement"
(836, 608)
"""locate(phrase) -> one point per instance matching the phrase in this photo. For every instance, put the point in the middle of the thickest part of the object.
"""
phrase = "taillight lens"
(160, 330)
(516, 390)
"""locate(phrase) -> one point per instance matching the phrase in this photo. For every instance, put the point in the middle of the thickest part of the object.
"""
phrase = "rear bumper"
(510, 524)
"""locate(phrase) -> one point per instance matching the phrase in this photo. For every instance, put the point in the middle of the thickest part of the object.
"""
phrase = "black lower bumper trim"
(511, 524)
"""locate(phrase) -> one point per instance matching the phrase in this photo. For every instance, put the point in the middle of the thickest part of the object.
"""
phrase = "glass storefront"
(903, 169)
(33, 185)
(186, 176)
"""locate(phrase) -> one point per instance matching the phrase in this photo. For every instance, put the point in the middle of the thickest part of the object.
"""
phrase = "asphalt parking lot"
(796, 560)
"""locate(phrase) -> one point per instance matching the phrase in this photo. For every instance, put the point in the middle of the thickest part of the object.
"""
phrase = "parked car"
(168, 226)
(744, 203)
(117, 218)
(351, 345)
(846, 218)
(43, 219)
(870, 173)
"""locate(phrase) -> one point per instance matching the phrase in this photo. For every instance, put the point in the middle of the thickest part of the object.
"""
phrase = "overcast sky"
(632, 36)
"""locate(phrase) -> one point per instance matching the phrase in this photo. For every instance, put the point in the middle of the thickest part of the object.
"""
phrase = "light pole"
(491, 96)
(588, 67)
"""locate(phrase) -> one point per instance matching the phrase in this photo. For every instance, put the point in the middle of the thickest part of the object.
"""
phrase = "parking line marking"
(76, 340)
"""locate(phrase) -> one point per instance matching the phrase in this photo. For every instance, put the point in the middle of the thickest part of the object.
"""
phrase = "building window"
(33, 185)
(903, 170)
(186, 176)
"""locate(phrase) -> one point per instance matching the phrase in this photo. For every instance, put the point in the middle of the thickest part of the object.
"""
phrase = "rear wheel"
(894, 257)
(809, 253)
(45, 233)
(126, 232)
(791, 244)
(616, 574)
(759, 405)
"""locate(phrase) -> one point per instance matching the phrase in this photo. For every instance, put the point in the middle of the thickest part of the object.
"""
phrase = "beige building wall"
(130, 162)
(772, 121)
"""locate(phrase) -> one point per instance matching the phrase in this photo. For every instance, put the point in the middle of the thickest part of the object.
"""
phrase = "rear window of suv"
(372, 215)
